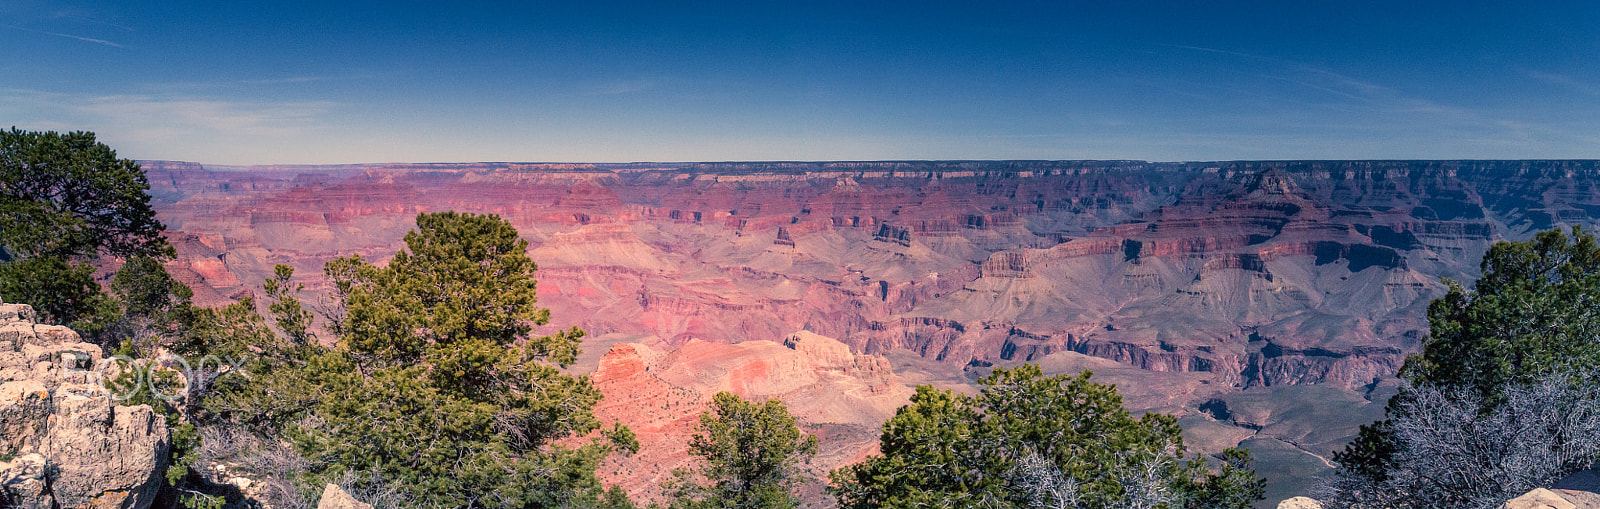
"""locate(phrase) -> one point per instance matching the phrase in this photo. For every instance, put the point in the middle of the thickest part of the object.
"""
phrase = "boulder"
(1539, 498)
(1300, 503)
(73, 445)
(1582, 489)
(335, 498)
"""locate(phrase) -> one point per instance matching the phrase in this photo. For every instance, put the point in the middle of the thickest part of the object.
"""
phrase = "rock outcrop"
(1539, 498)
(1580, 490)
(69, 443)
(1300, 503)
(335, 498)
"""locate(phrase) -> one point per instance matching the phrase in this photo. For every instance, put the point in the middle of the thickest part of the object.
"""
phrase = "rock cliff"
(1260, 273)
(67, 443)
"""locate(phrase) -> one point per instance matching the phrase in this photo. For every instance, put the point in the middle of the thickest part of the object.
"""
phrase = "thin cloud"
(69, 36)
(1222, 51)
(1564, 81)
(283, 81)
(227, 118)
(175, 119)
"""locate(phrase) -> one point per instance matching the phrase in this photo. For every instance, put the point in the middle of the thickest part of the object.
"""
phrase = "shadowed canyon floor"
(1266, 303)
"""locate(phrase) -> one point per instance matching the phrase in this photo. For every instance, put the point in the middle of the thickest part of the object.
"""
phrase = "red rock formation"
(1259, 273)
(840, 396)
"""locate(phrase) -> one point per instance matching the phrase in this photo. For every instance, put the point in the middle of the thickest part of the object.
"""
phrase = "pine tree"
(1028, 440)
(750, 454)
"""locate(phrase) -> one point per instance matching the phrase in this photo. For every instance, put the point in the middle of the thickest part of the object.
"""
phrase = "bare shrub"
(1144, 477)
(1043, 483)
(281, 471)
(373, 489)
(1452, 454)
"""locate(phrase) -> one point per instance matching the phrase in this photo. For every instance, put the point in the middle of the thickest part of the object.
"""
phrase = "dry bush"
(1452, 454)
(369, 487)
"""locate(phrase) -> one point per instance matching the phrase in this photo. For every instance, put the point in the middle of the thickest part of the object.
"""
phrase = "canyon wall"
(1259, 273)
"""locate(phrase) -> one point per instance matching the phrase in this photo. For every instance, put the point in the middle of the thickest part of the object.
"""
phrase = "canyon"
(1265, 303)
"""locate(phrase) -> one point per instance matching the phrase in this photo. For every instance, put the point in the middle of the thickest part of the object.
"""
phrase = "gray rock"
(104, 454)
(73, 445)
(335, 498)
(24, 483)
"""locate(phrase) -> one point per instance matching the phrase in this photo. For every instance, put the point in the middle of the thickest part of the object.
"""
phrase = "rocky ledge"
(66, 443)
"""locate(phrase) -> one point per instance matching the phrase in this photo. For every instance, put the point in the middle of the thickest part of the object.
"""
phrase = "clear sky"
(240, 82)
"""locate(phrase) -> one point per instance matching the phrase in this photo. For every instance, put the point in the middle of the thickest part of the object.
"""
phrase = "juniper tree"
(750, 455)
(65, 200)
(1029, 440)
(437, 381)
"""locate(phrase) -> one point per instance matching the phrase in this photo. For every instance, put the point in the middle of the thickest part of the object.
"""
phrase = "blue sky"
(340, 82)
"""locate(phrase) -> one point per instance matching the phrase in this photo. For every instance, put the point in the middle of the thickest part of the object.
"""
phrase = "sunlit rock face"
(1254, 273)
(839, 396)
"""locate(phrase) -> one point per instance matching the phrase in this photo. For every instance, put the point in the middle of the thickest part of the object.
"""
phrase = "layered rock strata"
(1256, 273)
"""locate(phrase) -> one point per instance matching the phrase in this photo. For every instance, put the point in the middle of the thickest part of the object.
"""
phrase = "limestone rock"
(1539, 499)
(23, 482)
(1300, 503)
(74, 445)
(1582, 489)
(335, 498)
(102, 452)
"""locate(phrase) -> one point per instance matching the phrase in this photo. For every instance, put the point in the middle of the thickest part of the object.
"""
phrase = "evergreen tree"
(750, 455)
(69, 196)
(435, 391)
(63, 293)
(1027, 440)
(436, 381)
(65, 200)
(1531, 314)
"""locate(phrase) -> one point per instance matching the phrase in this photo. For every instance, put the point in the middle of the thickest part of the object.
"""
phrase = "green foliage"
(156, 306)
(1027, 440)
(1531, 314)
(147, 290)
(463, 279)
(1234, 484)
(1371, 455)
(68, 196)
(224, 381)
(66, 199)
(61, 291)
(750, 453)
(291, 317)
(436, 381)
(436, 386)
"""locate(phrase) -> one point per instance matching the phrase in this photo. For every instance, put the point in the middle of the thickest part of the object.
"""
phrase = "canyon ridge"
(1266, 304)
